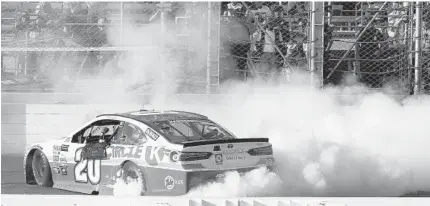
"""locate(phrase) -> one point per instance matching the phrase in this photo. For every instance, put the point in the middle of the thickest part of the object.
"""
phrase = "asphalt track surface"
(13, 182)
(12, 173)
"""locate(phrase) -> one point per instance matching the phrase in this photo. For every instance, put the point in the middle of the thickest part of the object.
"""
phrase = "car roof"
(150, 116)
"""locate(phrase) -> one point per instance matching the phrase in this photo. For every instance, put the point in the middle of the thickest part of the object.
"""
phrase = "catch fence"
(424, 38)
(51, 42)
(377, 43)
(205, 44)
(266, 38)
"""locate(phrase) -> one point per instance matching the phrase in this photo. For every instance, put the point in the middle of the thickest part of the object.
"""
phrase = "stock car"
(166, 152)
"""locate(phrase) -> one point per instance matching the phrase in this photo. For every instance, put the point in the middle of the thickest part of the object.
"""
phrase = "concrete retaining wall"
(13, 128)
(24, 124)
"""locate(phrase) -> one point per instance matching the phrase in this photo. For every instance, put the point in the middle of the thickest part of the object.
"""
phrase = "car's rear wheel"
(41, 169)
(132, 174)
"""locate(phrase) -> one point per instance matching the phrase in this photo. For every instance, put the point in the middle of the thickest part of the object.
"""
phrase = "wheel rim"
(131, 174)
(39, 168)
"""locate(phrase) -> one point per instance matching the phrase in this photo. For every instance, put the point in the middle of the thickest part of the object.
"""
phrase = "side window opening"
(94, 132)
(130, 135)
(81, 135)
(179, 131)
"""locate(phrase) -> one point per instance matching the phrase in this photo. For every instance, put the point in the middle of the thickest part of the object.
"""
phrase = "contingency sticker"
(152, 134)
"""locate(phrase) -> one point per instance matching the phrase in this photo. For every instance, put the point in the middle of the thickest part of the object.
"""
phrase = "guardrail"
(78, 200)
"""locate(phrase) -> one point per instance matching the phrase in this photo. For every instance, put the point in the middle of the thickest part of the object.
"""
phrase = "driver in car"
(132, 135)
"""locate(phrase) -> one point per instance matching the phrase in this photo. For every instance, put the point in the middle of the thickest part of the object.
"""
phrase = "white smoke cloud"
(123, 189)
(326, 142)
(342, 141)
(258, 182)
(331, 142)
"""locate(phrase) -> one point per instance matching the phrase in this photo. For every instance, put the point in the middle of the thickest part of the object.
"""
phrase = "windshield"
(179, 131)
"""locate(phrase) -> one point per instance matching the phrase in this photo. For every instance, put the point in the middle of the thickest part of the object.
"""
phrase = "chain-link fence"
(425, 55)
(368, 40)
(379, 43)
(262, 39)
(75, 40)
(48, 40)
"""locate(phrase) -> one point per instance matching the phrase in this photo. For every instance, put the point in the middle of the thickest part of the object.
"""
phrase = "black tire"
(131, 170)
(41, 169)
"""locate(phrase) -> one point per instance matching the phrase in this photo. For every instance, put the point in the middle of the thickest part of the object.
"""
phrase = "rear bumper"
(195, 179)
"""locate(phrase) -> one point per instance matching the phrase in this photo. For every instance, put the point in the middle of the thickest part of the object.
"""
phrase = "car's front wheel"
(41, 169)
(132, 174)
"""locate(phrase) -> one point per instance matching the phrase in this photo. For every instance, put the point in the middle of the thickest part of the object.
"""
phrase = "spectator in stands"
(256, 39)
(259, 9)
(268, 61)
(22, 24)
(235, 9)
(75, 13)
(396, 20)
(77, 8)
(282, 34)
(29, 32)
(296, 8)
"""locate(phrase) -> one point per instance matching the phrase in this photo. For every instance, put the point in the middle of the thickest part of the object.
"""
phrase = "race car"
(166, 152)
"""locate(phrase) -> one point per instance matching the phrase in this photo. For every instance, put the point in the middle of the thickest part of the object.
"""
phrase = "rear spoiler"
(223, 141)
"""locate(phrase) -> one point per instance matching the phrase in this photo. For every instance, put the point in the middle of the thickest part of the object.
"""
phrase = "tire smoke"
(341, 141)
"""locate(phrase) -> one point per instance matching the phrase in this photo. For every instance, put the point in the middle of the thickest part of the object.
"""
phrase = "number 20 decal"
(92, 166)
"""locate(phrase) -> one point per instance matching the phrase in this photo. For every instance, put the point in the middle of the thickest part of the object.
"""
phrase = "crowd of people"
(277, 36)
(48, 27)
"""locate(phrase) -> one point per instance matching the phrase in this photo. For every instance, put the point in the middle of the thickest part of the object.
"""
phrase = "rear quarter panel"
(163, 173)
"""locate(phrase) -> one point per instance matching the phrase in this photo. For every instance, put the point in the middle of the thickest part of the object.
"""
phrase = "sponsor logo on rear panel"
(235, 157)
(170, 182)
(218, 159)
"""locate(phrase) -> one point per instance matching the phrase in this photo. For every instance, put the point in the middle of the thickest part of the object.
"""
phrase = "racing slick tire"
(132, 173)
(41, 169)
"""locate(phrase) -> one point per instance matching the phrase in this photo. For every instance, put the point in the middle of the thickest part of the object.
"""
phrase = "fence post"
(417, 85)
(164, 8)
(26, 53)
(329, 13)
(209, 49)
(317, 42)
(410, 43)
(357, 63)
(122, 23)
